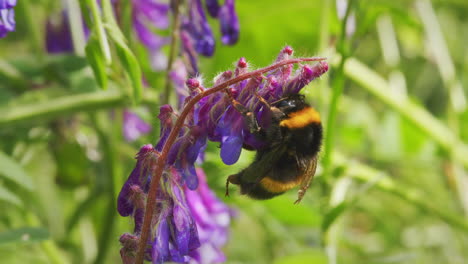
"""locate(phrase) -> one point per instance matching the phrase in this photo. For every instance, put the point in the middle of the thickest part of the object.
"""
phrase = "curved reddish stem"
(151, 199)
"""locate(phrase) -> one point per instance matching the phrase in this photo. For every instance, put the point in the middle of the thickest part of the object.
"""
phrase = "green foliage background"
(392, 183)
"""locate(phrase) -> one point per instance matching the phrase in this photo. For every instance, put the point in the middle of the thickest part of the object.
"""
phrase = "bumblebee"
(289, 159)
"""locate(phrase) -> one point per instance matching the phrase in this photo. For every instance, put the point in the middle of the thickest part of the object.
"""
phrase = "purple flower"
(133, 126)
(199, 29)
(213, 7)
(166, 115)
(58, 35)
(229, 23)
(174, 237)
(7, 17)
(189, 144)
(189, 54)
(148, 15)
(194, 142)
(196, 33)
(129, 196)
(212, 218)
(177, 235)
(178, 77)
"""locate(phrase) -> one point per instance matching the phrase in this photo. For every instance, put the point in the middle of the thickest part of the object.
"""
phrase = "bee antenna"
(277, 101)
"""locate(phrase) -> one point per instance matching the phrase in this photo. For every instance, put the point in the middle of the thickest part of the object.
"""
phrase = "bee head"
(291, 103)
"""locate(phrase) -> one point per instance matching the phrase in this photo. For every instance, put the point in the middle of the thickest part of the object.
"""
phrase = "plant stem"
(154, 185)
(26, 11)
(76, 27)
(66, 105)
(100, 32)
(172, 51)
(113, 171)
(338, 86)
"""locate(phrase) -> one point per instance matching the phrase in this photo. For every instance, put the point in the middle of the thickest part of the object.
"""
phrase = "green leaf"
(333, 214)
(127, 58)
(132, 67)
(24, 234)
(96, 59)
(99, 32)
(9, 197)
(12, 171)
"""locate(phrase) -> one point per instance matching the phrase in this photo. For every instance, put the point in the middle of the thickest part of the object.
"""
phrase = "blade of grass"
(26, 10)
(10, 197)
(383, 182)
(440, 52)
(11, 170)
(24, 234)
(378, 86)
(337, 85)
(76, 26)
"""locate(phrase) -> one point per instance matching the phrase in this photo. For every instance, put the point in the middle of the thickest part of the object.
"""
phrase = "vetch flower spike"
(199, 29)
(229, 23)
(163, 172)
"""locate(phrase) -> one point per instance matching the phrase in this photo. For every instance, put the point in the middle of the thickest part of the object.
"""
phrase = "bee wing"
(263, 164)
(309, 173)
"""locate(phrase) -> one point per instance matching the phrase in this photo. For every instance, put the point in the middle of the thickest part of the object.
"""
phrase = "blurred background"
(392, 183)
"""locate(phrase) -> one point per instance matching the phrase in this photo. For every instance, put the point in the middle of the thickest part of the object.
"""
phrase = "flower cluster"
(176, 230)
(7, 17)
(224, 124)
(59, 40)
(189, 223)
(195, 31)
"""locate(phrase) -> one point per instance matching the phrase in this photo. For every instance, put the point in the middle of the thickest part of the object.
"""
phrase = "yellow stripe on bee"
(277, 186)
(301, 118)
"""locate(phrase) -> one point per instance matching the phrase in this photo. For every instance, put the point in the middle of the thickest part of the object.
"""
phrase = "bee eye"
(286, 104)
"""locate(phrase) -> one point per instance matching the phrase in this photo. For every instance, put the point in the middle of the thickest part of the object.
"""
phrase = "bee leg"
(304, 186)
(234, 179)
(300, 194)
(252, 123)
(262, 100)
(276, 112)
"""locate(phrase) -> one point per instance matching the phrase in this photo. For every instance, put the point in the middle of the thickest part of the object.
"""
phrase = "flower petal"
(231, 147)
